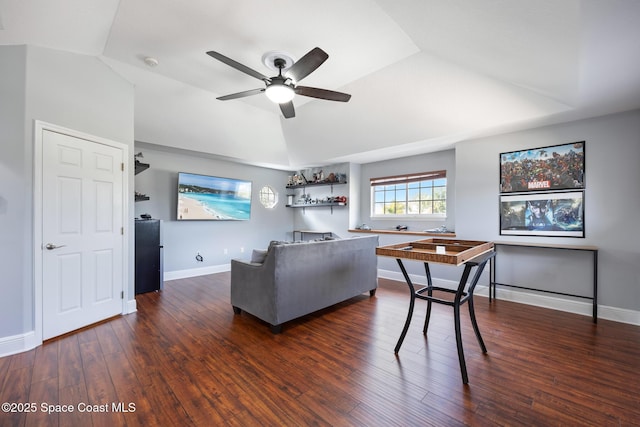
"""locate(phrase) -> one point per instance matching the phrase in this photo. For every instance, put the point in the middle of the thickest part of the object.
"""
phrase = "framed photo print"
(556, 167)
(559, 214)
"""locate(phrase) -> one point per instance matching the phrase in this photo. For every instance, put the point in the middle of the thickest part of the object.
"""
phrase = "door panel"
(69, 269)
(81, 222)
(105, 283)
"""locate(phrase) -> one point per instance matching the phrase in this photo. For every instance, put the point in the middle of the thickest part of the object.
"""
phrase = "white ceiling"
(423, 74)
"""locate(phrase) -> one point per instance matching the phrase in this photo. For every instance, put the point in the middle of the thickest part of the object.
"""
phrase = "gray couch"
(296, 279)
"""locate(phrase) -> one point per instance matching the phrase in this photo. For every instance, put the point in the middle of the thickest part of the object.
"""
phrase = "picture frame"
(212, 198)
(554, 167)
(552, 214)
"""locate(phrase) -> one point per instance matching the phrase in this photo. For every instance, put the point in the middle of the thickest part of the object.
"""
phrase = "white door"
(82, 241)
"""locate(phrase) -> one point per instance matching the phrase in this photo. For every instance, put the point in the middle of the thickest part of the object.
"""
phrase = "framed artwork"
(203, 197)
(559, 214)
(556, 167)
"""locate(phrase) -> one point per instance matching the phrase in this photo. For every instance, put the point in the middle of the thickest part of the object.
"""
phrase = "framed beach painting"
(203, 197)
(556, 167)
(559, 214)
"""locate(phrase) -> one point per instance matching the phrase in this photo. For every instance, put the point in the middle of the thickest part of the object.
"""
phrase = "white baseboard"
(562, 304)
(193, 272)
(131, 307)
(27, 341)
(18, 343)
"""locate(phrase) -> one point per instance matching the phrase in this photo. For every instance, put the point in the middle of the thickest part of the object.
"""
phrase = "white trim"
(18, 343)
(425, 217)
(38, 129)
(193, 272)
(571, 306)
(131, 306)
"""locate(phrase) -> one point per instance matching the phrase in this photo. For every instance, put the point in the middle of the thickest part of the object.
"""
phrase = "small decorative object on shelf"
(140, 197)
(306, 201)
(299, 180)
(317, 177)
(441, 229)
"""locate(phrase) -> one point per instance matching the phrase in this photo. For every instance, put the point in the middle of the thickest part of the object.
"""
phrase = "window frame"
(272, 198)
(407, 180)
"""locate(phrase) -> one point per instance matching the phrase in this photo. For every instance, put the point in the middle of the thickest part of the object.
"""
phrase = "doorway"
(79, 235)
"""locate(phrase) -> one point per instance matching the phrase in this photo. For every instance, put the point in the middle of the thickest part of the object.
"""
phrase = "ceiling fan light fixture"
(279, 93)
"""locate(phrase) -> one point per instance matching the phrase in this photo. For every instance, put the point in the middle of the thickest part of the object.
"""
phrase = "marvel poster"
(557, 167)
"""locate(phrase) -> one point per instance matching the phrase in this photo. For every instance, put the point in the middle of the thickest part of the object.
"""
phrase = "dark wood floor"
(185, 359)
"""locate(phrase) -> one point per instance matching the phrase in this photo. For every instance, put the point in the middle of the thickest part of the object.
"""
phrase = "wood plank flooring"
(184, 359)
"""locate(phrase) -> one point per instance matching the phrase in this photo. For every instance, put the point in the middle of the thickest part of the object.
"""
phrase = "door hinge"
(121, 294)
(122, 166)
(122, 231)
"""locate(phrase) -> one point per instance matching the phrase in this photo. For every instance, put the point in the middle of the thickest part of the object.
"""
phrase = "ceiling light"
(279, 93)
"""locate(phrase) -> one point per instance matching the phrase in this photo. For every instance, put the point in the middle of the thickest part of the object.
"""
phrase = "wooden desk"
(592, 249)
(452, 251)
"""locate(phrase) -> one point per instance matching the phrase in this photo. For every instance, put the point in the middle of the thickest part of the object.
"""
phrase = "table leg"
(429, 293)
(412, 294)
(595, 286)
(492, 278)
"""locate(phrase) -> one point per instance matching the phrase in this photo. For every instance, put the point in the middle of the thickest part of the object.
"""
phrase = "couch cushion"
(258, 256)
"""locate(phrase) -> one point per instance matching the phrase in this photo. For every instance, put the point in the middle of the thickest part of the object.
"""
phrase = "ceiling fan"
(282, 88)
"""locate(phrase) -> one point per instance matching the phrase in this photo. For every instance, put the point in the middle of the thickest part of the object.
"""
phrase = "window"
(414, 195)
(268, 197)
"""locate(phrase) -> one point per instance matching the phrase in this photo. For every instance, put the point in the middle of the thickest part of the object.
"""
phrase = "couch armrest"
(248, 280)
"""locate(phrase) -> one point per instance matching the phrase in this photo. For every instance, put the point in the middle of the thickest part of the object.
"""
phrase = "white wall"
(15, 228)
(182, 240)
(612, 207)
(66, 89)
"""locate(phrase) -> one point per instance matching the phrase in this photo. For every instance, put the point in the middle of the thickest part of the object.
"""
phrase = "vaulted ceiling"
(423, 74)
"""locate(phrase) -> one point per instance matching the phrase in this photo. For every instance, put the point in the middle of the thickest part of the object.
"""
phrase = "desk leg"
(412, 294)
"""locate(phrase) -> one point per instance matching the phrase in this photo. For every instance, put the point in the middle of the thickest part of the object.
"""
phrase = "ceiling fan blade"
(238, 66)
(287, 110)
(307, 64)
(315, 92)
(240, 94)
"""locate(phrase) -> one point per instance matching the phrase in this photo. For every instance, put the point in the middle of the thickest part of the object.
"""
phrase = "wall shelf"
(315, 184)
(316, 205)
(140, 167)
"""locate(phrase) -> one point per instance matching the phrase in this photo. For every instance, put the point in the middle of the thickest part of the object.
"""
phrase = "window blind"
(404, 179)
